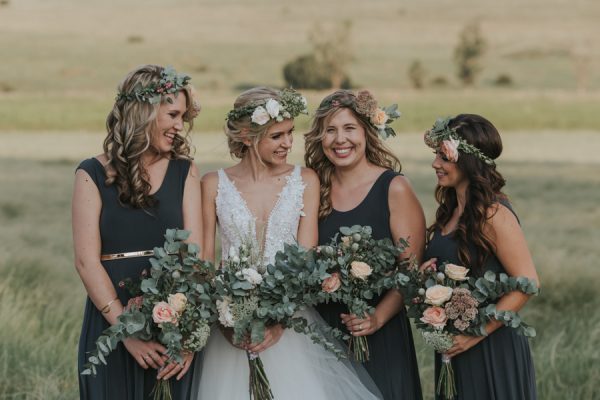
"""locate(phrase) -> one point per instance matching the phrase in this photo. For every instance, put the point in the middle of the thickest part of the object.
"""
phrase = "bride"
(274, 203)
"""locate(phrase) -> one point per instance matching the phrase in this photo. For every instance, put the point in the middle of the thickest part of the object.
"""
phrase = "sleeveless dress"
(123, 230)
(499, 367)
(392, 363)
(296, 368)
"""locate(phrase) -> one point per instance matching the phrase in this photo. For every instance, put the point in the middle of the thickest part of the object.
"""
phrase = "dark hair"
(484, 190)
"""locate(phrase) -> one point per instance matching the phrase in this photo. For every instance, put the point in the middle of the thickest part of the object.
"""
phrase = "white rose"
(438, 295)
(232, 252)
(272, 107)
(252, 276)
(456, 272)
(260, 116)
(303, 100)
(360, 270)
(225, 316)
(177, 301)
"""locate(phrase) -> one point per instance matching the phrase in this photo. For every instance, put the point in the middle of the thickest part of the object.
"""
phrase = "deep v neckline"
(271, 212)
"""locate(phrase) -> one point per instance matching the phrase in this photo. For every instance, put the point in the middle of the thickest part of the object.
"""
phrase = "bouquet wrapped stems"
(360, 348)
(162, 390)
(445, 384)
(260, 388)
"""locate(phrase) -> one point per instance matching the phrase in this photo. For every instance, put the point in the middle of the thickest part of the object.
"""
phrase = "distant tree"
(468, 53)
(326, 66)
(416, 74)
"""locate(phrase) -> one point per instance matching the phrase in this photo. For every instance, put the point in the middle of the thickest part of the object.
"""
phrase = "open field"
(41, 297)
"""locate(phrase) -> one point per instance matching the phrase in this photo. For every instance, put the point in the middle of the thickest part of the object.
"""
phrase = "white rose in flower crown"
(360, 270)
(438, 295)
(177, 301)
(456, 272)
(260, 116)
(252, 276)
(272, 107)
(225, 316)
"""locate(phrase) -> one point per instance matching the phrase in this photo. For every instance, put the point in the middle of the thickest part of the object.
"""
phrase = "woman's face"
(344, 141)
(447, 172)
(274, 147)
(169, 122)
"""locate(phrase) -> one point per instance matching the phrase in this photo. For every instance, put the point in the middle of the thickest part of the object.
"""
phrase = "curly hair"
(484, 190)
(130, 126)
(241, 129)
(314, 157)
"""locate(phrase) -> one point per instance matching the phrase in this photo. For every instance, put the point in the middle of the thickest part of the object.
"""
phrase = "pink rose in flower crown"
(360, 270)
(435, 316)
(177, 301)
(332, 283)
(450, 149)
(163, 313)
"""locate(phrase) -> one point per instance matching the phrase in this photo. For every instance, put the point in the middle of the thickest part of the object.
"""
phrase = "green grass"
(41, 296)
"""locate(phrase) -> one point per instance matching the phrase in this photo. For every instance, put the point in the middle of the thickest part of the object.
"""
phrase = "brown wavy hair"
(130, 126)
(483, 192)
(314, 157)
(242, 128)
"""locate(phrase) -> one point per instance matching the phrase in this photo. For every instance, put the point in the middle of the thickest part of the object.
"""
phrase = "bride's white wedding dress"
(296, 367)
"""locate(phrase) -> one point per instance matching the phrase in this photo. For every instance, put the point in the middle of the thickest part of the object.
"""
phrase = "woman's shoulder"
(309, 175)
(400, 185)
(93, 165)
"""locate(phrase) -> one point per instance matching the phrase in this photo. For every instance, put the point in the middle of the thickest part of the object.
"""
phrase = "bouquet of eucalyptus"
(358, 268)
(446, 302)
(172, 304)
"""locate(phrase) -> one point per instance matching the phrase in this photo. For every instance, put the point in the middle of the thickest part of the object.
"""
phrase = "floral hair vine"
(366, 105)
(290, 105)
(170, 83)
(445, 139)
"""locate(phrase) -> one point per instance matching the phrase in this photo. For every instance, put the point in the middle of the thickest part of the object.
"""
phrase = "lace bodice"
(237, 225)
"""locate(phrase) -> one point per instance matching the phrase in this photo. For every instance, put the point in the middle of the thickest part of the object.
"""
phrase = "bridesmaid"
(124, 199)
(361, 185)
(475, 226)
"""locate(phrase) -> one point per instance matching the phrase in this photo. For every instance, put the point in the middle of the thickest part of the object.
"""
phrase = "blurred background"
(530, 66)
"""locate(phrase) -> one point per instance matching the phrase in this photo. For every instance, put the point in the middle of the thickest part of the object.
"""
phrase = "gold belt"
(131, 254)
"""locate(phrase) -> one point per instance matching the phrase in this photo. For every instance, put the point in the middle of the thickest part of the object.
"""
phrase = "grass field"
(62, 60)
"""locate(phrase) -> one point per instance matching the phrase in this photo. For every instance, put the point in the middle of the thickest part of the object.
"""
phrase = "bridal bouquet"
(358, 268)
(446, 302)
(172, 304)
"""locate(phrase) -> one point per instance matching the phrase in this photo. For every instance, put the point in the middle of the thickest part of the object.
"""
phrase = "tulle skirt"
(296, 367)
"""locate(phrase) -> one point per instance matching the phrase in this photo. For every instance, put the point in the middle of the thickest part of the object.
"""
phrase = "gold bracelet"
(106, 308)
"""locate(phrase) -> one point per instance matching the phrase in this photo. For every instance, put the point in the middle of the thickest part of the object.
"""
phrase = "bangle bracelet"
(106, 308)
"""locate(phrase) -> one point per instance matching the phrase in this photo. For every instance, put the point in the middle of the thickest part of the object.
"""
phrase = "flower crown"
(445, 139)
(170, 82)
(290, 105)
(366, 105)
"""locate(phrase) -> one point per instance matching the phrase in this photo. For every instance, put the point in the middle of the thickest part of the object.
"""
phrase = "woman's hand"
(431, 263)
(463, 343)
(147, 354)
(175, 368)
(361, 326)
(272, 336)
(228, 333)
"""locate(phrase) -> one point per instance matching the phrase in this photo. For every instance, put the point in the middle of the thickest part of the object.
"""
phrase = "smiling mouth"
(342, 152)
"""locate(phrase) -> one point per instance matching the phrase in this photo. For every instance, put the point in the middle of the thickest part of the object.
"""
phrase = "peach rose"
(379, 118)
(450, 149)
(332, 283)
(346, 241)
(435, 316)
(163, 313)
(456, 272)
(177, 301)
(360, 270)
(437, 295)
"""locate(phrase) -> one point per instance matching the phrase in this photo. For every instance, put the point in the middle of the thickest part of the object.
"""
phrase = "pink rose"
(332, 283)
(450, 149)
(169, 85)
(163, 313)
(135, 303)
(434, 316)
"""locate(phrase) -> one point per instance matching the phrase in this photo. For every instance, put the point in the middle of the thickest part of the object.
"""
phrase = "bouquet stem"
(260, 388)
(162, 390)
(360, 348)
(445, 384)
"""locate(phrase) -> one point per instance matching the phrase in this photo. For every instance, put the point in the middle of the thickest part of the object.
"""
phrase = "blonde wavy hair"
(314, 157)
(130, 126)
(241, 129)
